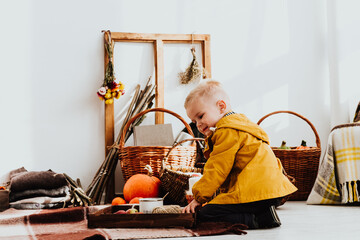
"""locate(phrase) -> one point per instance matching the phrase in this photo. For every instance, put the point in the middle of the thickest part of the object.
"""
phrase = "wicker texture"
(302, 164)
(175, 180)
(133, 159)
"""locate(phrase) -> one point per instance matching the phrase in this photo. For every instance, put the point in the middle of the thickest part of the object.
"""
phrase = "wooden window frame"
(158, 41)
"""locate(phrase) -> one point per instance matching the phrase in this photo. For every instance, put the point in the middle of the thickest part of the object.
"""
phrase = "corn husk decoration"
(192, 72)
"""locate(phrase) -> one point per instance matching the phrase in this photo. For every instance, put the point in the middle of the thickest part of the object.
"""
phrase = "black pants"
(235, 213)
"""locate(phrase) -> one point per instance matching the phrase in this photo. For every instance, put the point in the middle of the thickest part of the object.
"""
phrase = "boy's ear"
(221, 105)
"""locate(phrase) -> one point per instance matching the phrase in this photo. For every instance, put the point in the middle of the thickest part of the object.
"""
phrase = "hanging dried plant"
(110, 89)
(192, 72)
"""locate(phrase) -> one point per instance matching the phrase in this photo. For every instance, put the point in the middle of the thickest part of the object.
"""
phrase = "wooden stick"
(95, 179)
(141, 100)
(128, 114)
(100, 188)
(145, 106)
(98, 179)
(140, 107)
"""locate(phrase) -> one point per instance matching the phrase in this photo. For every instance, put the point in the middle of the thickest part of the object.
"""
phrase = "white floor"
(301, 221)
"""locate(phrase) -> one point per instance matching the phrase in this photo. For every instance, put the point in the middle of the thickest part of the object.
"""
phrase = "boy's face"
(205, 114)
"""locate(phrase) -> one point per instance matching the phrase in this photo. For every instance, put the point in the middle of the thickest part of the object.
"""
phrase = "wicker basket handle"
(177, 144)
(128, 124)
(298, 115)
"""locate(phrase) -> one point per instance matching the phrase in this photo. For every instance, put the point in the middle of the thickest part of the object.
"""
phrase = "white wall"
(344, 58)
(270, 55)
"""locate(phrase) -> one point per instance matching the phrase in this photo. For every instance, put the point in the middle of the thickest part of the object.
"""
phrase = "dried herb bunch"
(192, 72)
(110, 89)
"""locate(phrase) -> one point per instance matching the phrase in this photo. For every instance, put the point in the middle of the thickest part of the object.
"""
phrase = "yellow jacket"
(241, 164)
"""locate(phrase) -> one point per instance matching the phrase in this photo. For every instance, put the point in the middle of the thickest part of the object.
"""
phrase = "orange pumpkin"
(142, 185)
(303, 145)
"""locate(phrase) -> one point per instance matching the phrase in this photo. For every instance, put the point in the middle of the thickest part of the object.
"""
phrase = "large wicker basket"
(133, 159)
(302, 164)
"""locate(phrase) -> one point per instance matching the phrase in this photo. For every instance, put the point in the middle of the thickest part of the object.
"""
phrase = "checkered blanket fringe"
(338, 179)
(350, 191)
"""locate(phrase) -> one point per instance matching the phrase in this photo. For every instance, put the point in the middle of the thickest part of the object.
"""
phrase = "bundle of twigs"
(78, 196)
(192, 72)
(141, 101)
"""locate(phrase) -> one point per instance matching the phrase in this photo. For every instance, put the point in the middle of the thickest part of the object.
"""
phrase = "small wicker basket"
(175, 179)
(133, 159)
(302, 164)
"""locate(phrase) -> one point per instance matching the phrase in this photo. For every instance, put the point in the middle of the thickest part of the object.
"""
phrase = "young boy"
(240, 164)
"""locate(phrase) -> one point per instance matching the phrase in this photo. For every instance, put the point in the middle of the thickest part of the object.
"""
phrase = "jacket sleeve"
(218, 166)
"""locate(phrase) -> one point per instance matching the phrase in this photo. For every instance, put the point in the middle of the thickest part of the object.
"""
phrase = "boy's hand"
(191, 207)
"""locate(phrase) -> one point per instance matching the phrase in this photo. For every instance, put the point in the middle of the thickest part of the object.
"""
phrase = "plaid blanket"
(71, 224)
(338, 179)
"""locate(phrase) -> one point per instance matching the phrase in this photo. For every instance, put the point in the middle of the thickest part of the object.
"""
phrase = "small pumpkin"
(135, 200)
(303, 145)
(142, 185)
(118, 201)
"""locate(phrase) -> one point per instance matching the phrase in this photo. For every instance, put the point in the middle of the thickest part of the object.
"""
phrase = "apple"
(131, 211)
(120, 212)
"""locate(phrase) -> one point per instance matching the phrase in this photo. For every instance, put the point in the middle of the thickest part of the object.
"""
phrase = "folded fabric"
(36, 180)
(338, 179)
(14, 172)
(41, 202)
(36, 205)
(58, 192)
(44, 200)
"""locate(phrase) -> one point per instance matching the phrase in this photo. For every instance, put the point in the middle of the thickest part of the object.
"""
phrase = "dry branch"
(142, 100)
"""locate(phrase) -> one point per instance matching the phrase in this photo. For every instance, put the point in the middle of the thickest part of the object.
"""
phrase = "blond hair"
(210, 89)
